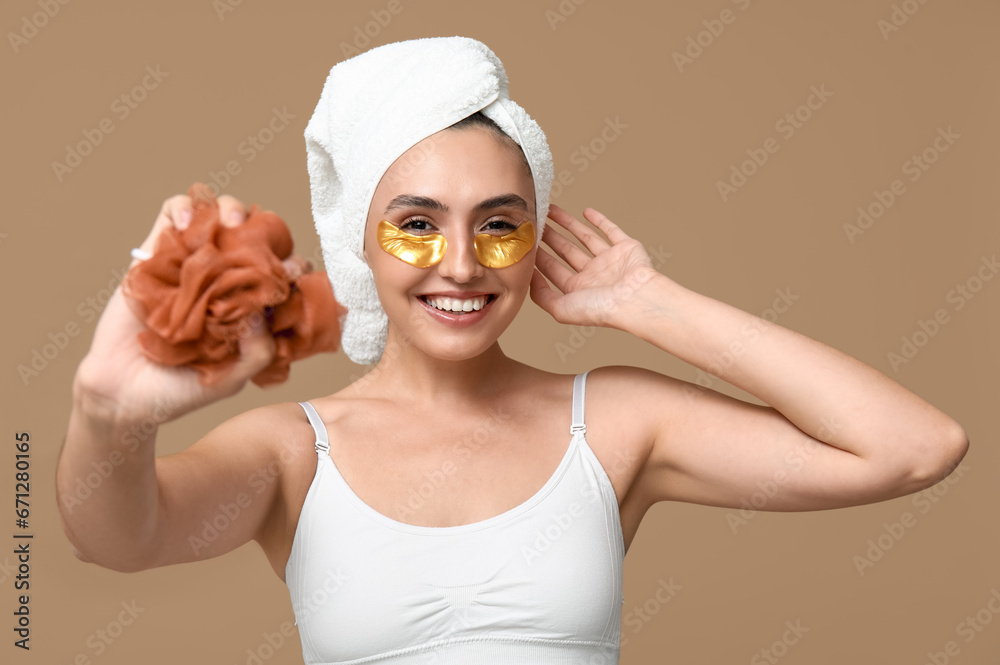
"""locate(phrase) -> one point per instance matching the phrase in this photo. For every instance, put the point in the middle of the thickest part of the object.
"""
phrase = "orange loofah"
(204, 286)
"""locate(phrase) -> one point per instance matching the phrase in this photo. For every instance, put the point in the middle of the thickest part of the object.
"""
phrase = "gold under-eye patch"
(419, 251)
(500, 252)
(427, 250)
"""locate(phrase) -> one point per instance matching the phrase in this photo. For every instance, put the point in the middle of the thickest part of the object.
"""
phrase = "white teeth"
(456, 305)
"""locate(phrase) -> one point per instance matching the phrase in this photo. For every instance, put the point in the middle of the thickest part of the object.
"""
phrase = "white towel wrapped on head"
(376, 106)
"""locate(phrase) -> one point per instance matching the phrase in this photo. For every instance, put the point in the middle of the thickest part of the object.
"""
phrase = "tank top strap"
(322, 441)
(579, 391)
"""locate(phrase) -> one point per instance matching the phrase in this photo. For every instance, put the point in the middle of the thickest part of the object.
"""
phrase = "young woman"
(456, 504)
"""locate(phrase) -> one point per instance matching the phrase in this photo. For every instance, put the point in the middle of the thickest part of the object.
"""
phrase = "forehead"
(453, 165)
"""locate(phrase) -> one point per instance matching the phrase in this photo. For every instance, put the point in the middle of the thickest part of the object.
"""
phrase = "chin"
(454, 346)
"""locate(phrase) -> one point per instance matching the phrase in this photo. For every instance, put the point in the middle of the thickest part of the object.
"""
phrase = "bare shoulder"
(253, 453)
(631, 399)
(285, 440)
(266, 433)
(625, 407)
(618, 405)
(277, 444)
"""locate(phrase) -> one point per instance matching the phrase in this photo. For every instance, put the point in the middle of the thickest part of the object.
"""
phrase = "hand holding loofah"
(205, 287)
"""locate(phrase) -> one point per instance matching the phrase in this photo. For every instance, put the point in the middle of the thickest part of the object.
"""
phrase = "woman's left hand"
(597, 282)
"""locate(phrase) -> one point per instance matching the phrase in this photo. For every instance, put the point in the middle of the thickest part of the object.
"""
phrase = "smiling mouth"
(458, 305)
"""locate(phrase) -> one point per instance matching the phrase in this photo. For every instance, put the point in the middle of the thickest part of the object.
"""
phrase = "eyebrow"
(416, 201)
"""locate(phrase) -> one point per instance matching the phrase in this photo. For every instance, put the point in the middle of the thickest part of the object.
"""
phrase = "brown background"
(64, 241)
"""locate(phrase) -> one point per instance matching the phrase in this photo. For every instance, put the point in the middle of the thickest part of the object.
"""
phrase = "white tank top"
(538, 584)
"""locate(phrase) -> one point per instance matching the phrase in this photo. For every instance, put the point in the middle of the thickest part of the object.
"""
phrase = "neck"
(406, 370)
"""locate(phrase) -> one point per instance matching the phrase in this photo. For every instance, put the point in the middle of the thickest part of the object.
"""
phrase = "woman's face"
(457, 183)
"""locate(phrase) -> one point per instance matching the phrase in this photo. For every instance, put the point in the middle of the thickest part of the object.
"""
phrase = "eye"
(499, 227)
(417, 227)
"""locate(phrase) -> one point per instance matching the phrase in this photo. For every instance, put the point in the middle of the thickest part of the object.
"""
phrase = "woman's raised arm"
(836, 431)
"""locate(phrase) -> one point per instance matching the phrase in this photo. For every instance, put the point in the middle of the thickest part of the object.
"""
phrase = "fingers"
(557, 273)
(232, 212)
(541, 293)
(607, 227)
(178, 210)
(175, 212)
(296, 266)
(591, 240)
(566, 249)
(257, 349)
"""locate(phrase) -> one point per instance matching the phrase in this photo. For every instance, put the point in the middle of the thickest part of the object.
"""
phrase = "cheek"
(519, 275)
(393, 278)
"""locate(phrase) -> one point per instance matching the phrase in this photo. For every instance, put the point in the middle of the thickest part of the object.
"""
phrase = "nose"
(460, 263)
